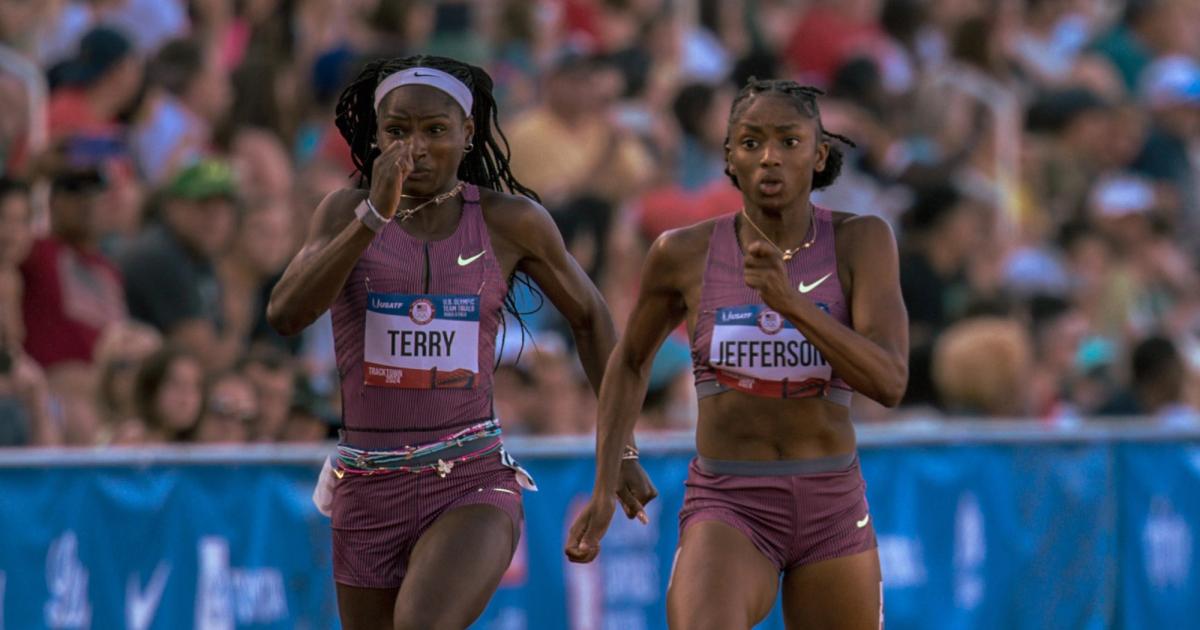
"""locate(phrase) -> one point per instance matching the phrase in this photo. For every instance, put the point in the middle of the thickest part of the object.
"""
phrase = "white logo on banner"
(1167, 543)
(67, 579)
(970, 552)
(259, 596)
(140, 605)
(214, 610)
(902, 561)
(225, 594)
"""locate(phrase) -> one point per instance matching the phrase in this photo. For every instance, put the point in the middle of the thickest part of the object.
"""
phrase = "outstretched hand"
(763, 271)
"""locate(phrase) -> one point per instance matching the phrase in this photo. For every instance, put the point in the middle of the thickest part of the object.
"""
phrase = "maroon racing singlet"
(415, 334)
(741, 344)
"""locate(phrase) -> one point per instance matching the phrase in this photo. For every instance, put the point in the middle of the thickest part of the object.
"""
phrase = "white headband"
(426, 76)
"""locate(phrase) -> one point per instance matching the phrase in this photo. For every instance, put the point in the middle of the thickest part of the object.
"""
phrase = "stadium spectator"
(273, 374)
(582, 165)
(171, 280)
(981, 368)
(169, 395)
(230, 410)
(24, 402)
(1159, 377)
(1170, 88)
(940, 234)
(95, 88)
(189, 93)
(72, 291)
(16, 217)
(119, 355)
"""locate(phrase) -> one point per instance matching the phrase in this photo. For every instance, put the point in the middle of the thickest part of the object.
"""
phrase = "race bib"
(421, 341)
(756, 350)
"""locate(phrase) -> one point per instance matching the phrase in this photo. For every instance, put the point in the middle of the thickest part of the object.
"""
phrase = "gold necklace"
(408, 213)
(788, 253)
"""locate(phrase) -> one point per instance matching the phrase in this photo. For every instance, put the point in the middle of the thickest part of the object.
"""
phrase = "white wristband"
(370, 217)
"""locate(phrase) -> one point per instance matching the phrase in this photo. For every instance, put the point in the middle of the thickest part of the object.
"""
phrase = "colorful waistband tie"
(419, 459)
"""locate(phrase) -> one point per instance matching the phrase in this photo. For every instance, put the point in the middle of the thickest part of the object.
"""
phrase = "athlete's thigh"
(366, 608)
(455, 568)
(720, 580)
(838, 594)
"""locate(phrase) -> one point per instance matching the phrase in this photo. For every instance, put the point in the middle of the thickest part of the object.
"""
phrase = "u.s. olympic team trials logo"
(769, 322)
(421, 312)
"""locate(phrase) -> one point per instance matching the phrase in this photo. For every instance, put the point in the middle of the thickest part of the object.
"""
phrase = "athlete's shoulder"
(682, 246)
(867, 229)
(336, 210)
(506, 211)
(344, 197)
(519, 223)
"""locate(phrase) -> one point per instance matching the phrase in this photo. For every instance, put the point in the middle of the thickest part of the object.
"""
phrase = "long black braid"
(805, 99)
(486, 165)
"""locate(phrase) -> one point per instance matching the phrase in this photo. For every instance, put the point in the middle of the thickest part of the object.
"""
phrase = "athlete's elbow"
(890, 398)
(283, 320)
(893, 385)
(593, 322)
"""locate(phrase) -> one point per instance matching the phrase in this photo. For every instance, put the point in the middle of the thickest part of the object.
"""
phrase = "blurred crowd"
(1039, 161)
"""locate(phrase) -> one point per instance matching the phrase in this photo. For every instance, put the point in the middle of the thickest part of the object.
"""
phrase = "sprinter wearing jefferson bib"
(791, 307)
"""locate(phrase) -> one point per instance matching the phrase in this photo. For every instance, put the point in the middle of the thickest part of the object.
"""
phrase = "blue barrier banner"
(1159, 496)
(1090, 534)
(212, 547)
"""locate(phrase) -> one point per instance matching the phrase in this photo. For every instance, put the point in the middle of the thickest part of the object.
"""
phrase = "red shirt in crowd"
(824, 39)
(70, 296)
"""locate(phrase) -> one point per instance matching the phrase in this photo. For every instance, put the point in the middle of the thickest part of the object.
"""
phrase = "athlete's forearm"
(866, 366)
(594, 340)
(621, 397)
(595, 345)
(313, 280)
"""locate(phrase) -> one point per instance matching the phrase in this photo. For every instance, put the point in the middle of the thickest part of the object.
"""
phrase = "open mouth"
(770, 186)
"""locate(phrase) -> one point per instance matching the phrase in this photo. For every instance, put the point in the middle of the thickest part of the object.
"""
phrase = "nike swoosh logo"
(463, 262)
(863, 523)
(141, 605)
(805, 288)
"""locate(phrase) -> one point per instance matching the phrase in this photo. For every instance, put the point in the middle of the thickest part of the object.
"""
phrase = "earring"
(470, 146)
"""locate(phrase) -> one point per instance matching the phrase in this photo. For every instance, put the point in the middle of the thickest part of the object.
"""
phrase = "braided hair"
(487, 165)
(804, 97)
